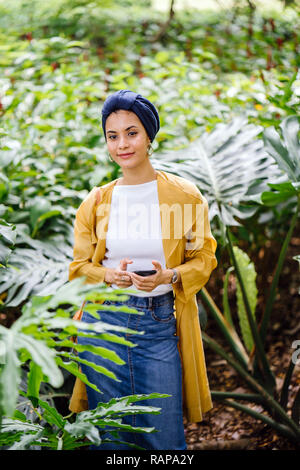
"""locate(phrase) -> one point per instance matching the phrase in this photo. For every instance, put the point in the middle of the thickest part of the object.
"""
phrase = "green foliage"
(227, 182)
(59, 433)
(287, 155)
(248, 274)
(286, 151)
(221, 81)
(256, 371)
(40, 269)
(40, 339)
(8, 236)
(226, 306)
(59, 67)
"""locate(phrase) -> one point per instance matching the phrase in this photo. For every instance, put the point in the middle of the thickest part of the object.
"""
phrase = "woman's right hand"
(119, 275)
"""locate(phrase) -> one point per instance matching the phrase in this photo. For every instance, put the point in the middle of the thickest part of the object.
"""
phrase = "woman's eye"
(113, 137)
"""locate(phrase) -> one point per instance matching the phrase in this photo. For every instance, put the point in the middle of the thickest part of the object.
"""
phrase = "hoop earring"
(150, 150)
(109, 157)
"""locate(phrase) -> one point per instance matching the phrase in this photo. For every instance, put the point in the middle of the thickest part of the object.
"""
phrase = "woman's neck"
(138, 177)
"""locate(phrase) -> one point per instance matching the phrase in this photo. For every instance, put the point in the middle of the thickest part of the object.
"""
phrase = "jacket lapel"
(170, 221)
(101, 218)
(171, 216)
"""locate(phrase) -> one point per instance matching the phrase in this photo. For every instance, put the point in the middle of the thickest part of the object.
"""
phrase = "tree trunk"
(165, 26)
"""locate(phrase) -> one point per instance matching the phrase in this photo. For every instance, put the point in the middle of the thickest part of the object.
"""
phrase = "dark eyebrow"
(127, 129)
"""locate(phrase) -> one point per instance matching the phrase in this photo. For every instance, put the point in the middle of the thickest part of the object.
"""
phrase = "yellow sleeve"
(84, 245)
(199, 261)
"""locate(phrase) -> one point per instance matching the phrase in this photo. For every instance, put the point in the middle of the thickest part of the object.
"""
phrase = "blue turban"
(143, 108)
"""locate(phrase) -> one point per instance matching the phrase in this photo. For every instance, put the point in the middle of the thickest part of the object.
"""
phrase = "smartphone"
(145, 273)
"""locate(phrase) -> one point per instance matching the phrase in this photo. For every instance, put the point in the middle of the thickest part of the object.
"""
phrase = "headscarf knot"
(130, 101)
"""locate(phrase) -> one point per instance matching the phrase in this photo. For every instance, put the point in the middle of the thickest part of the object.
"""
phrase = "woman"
(146, 220)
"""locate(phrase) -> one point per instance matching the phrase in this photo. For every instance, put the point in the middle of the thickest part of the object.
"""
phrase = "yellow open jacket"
(195, 266)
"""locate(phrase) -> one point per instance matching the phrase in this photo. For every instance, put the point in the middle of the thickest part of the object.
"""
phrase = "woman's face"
(127, 139)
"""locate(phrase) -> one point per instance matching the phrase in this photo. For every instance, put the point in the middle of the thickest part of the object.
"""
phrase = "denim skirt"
(153, 365)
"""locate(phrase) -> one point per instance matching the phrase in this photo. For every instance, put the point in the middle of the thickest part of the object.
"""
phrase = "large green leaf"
(10, 425)
(40, 270)
(248, 274)
(286, 149)
(41, 335)
(51, 415)
(103, 352)
(35, 377)
(96, 367)
(7, 232)
(63, 434)
(26, 440)
(227, 329)
(230, 167)
(281, 193)
(226, 306)
(42, 356)
(37, 207)
(10, 373)
(7, 239)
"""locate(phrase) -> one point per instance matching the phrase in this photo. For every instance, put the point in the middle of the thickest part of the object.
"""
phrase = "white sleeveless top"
(134, 232)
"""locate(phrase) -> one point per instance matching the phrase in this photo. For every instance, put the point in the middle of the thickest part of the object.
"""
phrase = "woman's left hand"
(148, 283)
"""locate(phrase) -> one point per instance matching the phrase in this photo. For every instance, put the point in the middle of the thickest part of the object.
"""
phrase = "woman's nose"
(123, 142)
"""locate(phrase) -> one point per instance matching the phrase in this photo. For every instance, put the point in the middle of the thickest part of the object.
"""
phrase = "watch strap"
(174, 277)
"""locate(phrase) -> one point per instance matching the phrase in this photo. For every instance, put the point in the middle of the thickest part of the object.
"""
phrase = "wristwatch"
(174, 277)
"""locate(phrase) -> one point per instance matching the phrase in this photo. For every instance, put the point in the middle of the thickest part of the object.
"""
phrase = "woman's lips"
(125, 155)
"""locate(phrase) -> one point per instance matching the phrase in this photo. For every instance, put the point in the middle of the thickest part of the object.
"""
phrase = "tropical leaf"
(230, 167)
(30, 390)
(7, 240)
(10, 373)
(36, 335)
(282, 192)
(42, 356)
(40, 269)
(51, 415)
(35, 377)
(91, 424)
(227, 329)
(7, 232)
(285, 149)
(26, 440)
(14, 342)
(248, 274)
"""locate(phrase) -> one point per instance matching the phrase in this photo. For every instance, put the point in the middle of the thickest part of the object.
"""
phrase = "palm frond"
(39, 269)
